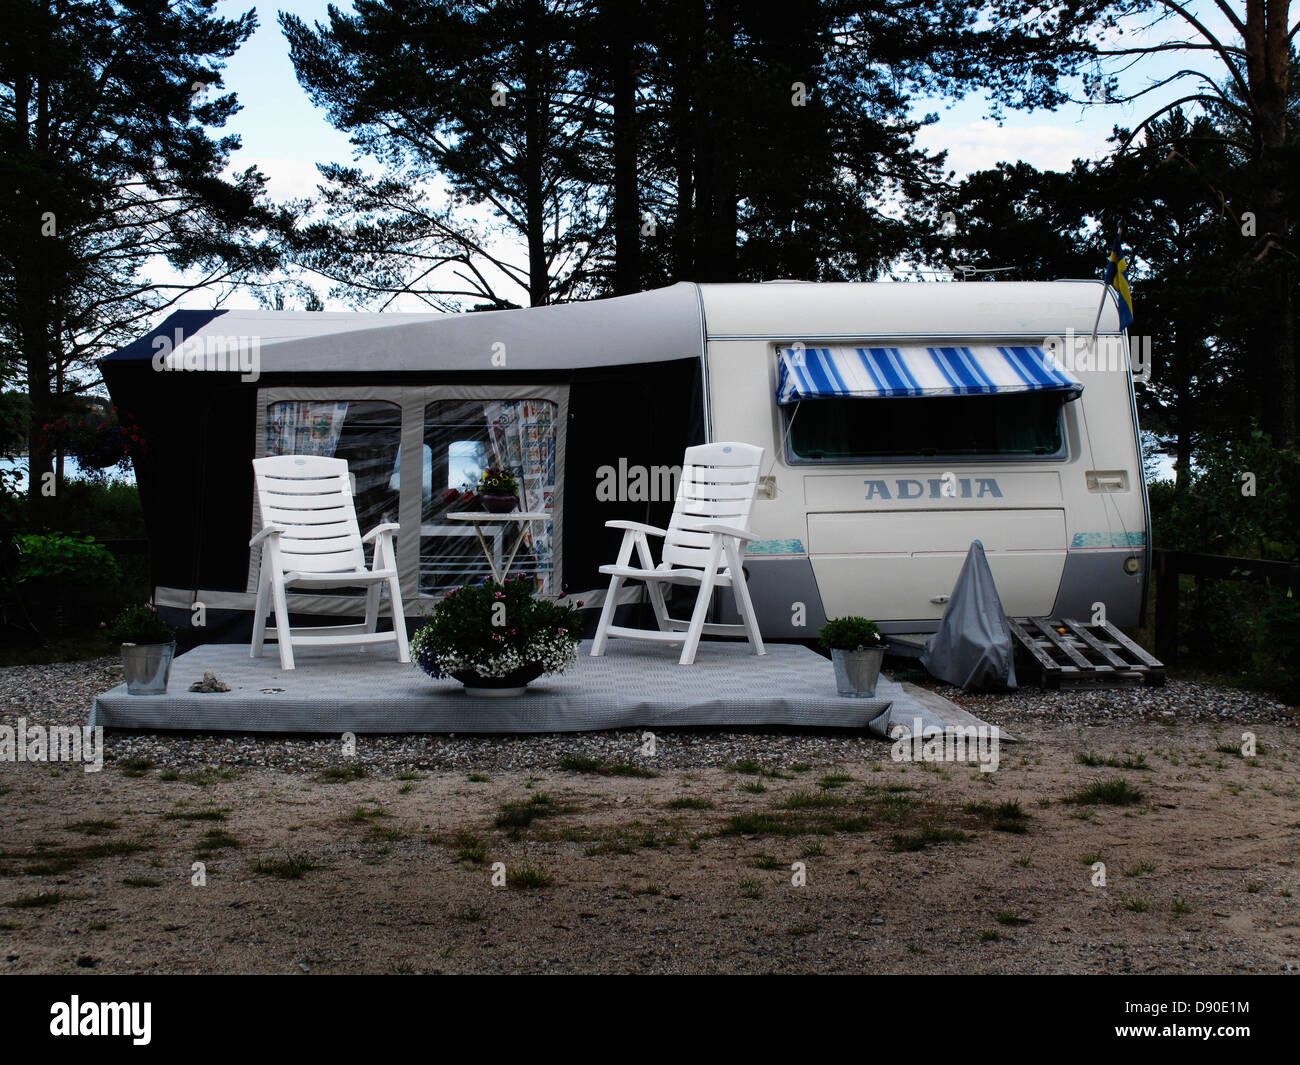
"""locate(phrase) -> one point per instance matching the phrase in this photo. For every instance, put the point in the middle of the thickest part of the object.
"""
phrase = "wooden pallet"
(1084, 655)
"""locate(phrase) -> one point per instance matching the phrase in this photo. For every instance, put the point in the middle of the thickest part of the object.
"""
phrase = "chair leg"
(283, 634)
(258, 645)
(606, 617)
(744, 606)
(399, 619)
(701, 605)
(372, 608)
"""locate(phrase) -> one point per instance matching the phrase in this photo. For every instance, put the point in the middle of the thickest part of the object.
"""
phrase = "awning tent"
(916, 371)
(629, 369)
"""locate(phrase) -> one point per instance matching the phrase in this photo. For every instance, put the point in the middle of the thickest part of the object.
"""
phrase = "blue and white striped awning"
(876, 373)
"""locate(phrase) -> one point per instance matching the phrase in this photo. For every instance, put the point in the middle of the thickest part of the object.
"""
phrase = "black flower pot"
(495, 503)
(514, 683)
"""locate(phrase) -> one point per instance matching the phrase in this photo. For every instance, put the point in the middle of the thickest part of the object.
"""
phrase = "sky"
(285, 135)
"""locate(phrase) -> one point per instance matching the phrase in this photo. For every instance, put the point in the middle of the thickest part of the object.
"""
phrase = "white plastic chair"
(702, 546)
(310, 538)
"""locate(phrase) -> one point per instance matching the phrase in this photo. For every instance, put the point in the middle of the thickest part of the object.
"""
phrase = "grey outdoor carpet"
(635, 684)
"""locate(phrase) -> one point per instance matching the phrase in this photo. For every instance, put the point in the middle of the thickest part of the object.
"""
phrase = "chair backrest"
(311, 497)
(717, 485)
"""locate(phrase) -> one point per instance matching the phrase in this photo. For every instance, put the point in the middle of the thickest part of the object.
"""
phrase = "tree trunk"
(535, 125)
(627, 200)
(724, 146)
(1272, 343)
(687, 112)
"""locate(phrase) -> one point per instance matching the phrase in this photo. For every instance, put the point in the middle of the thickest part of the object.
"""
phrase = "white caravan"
(903, 421)
(900, 422)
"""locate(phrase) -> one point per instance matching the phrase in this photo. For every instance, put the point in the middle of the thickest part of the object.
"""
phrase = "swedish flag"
(1118, 280)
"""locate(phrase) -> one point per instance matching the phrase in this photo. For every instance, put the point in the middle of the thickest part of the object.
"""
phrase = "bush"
(61, 583)
(139, 624)
(58, 555)
(850, 634)
(106, 510)
(1249, 630)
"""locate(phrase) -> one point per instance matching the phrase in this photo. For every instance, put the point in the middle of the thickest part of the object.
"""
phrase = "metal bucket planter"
(148, 667)
(856, 672)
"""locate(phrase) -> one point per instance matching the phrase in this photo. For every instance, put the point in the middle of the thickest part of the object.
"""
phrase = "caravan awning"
(879, 373)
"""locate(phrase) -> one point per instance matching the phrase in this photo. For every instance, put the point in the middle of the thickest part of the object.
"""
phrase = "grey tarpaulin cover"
(973, 647)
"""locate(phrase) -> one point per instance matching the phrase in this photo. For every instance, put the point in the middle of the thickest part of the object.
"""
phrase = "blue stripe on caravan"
(905, 371)
(788, 388)
(962, 371)
(945, 367)
(814, 361)
(887, 382)
(979, 369)
(869, 364)
(890, 364)
(782, 378)
(835, 371)
(1016, 362)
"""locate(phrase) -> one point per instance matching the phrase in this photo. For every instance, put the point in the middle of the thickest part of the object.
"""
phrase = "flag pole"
(1116, 250)
(1101, 303)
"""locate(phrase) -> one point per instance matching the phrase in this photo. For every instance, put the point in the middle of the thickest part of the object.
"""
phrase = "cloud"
(982, 145)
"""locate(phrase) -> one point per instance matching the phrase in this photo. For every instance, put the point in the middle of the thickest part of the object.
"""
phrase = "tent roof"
(658, 326)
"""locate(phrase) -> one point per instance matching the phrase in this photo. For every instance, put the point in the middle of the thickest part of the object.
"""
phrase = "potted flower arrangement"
(496, 638)
(498, 490)
(148, 646)
(857, 651)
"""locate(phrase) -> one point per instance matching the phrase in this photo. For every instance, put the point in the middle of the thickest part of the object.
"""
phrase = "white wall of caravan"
(892, 550)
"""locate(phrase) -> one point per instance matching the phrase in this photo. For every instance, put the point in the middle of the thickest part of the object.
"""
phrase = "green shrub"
(139, 624)
(57, 555)
(1246, 629)
(850, 634)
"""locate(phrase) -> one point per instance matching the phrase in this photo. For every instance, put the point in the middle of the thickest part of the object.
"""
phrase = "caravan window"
(462, 438)
(367, 434)
(1021, 424)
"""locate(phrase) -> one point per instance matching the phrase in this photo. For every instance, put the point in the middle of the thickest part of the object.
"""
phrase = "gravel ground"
(684, 869)
(62, 694)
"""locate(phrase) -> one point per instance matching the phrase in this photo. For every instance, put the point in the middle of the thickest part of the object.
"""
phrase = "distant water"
(72, 471)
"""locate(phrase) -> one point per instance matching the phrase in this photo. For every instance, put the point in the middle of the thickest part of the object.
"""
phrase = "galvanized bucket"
(148, 666)
(856, 672)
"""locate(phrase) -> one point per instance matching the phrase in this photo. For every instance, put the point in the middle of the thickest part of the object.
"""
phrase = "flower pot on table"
(499, 504)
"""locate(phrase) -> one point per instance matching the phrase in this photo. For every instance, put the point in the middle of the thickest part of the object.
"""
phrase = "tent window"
(466, 461)
(367, 434)
(1023, 424)
(462, 437)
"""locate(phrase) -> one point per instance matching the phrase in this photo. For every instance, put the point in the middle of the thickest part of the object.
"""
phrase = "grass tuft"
(290, 867)
(1113, 791)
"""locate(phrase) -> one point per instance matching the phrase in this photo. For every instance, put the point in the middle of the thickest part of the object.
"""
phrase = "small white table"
(479, 518)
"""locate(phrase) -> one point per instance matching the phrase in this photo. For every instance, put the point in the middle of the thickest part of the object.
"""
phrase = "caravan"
(900, 422)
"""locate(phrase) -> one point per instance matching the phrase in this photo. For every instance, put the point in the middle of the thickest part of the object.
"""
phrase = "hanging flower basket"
(96, 443)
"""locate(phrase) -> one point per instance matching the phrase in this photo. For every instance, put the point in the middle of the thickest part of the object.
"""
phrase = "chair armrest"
(389, 527)
(635, 526)
(270, 530)
(725, 530)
